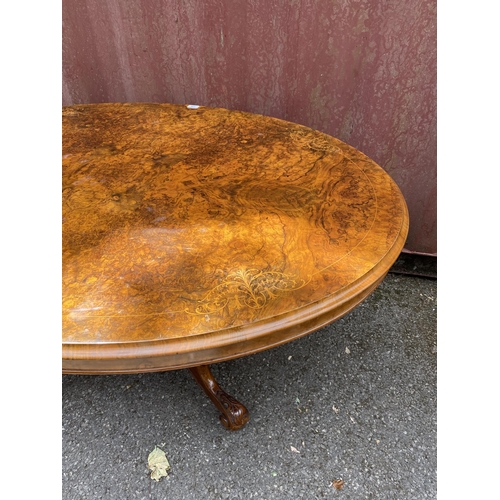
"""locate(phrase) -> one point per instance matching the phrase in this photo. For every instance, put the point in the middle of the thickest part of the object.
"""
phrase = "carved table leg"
(234, 414)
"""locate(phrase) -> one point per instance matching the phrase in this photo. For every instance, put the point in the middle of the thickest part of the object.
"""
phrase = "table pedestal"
(234, 414)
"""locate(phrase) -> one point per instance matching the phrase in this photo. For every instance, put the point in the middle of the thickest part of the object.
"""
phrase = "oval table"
(195, 235)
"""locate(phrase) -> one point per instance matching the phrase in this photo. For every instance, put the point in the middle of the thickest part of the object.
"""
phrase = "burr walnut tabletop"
(194, 235)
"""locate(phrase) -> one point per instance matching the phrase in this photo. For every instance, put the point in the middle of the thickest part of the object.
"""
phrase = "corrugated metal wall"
(361, 70)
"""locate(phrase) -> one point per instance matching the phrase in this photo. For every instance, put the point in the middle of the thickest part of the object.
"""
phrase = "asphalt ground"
(354, 401)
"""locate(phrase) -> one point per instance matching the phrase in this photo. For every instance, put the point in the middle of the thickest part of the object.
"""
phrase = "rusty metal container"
(363, 71)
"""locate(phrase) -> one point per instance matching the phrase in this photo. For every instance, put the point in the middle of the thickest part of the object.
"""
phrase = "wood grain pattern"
(192, 236)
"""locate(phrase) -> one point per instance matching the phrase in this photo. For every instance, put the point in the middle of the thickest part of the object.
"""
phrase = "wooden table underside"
(194, 236)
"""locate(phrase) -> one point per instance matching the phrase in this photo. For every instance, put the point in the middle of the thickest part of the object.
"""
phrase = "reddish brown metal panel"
(363, 71)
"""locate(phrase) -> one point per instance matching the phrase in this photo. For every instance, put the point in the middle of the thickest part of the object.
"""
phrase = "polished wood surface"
(192, 236)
